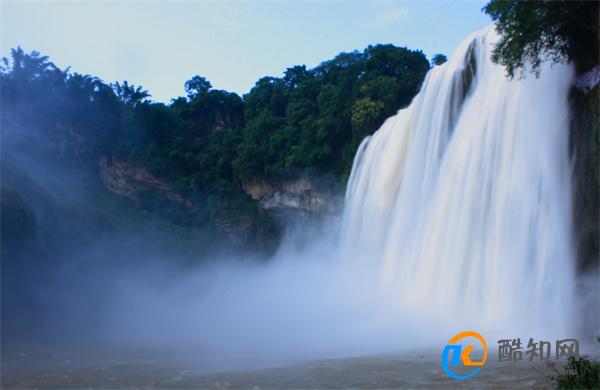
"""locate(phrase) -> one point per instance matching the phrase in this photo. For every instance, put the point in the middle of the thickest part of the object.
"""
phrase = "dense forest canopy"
(308, 122)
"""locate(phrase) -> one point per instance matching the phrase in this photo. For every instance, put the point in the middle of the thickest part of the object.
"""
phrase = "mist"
(226, 310)
(234, 310)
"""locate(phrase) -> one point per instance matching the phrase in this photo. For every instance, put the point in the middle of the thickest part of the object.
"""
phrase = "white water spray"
(463, 199)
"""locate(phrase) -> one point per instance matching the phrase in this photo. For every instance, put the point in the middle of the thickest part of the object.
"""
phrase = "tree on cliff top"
(439, 59)
(534, 31)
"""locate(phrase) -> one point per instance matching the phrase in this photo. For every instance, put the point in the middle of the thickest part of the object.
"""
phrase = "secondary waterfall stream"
(463, 199)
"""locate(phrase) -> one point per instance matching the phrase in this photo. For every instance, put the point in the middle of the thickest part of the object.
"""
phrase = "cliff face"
(257, 228)
(237, 228)
(131, 181)
(585, 147)
(299, 194)
(149, 193)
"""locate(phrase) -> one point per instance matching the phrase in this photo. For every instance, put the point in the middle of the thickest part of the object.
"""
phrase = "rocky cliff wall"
(296, 194)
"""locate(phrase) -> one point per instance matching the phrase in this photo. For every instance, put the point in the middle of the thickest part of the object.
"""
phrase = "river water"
(119, 367)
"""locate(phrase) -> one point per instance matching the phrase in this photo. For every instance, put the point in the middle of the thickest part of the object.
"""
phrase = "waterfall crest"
(462, 200)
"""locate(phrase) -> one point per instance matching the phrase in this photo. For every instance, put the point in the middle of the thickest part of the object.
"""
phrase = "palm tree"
(130, 94)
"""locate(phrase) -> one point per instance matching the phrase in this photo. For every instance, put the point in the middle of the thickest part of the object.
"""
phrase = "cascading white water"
(457, 217)
(463, 199)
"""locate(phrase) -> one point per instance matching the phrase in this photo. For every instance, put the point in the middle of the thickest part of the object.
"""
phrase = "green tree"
(365, 115)
(312, 120)
(198, 85)
(534, 31)
(438, 59)
(129, 94)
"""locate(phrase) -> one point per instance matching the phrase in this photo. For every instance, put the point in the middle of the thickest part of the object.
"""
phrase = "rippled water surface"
(118, 367)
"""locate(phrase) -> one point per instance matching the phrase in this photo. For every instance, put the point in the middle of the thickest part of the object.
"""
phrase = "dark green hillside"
(186, 162)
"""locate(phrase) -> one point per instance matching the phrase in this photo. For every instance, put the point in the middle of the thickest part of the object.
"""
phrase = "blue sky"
(161, 44)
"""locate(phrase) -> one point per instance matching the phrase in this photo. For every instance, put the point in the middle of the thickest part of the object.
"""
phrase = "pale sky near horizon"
(161, 44)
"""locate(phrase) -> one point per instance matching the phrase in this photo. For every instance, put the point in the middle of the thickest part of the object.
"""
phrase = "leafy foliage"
(533, 31)
(313, 120)
(438, 59)
(196, 86)
(309, 120)
(130, 94)
(579, 373)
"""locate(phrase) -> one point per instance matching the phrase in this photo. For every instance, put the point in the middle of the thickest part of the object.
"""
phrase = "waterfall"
(457, 217)
(462, 200)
